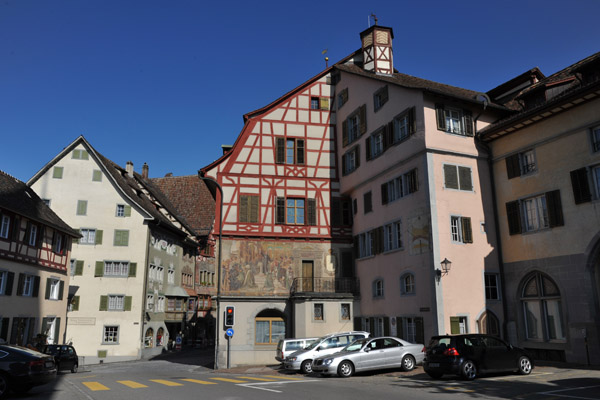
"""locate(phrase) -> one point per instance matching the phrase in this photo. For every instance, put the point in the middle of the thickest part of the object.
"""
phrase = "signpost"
(229, 333)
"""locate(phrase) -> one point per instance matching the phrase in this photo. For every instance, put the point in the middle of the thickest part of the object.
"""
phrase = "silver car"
(369, 354)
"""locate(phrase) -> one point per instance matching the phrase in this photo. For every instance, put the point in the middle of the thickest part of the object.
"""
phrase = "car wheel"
(3, 385)
(306, 366)
(525, 366)
(434, 374)
(345, 369)
(408, 363)
(74, 368)
(468, 370)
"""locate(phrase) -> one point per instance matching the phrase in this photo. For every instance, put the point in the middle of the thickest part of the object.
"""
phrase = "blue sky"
(167, 82)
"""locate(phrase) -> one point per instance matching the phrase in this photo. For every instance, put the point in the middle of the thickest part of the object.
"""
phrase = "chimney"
(377, 50)
(226, 148)
(129, 168)
(145, 171)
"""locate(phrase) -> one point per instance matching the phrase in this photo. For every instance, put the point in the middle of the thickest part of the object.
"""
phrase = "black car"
(22, 368)
(65, 356)
(470, 355)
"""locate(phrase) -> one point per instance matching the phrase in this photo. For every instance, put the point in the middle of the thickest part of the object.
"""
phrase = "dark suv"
(65, 356)
(472, 354)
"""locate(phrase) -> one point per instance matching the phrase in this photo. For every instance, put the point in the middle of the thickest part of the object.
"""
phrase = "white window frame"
(116, 302)
(150, 302)
(456, 229)
(160, 304)
(353, 127)
(88, 236)
(110, 334)
(5, 227)
(454, 120)
(32, 235)
(171, 275)
(160, 273)
(120, 210)
(365, 244)
(535, 213)
(28, 282)
(401, 128)
(350, 162)
(378, 327)
(392, 236)
(409, 325)
(376, 143)
(407, 284)
(3, 279)
(378, 288)
(116, 268)
(54, 288)
(527, 162)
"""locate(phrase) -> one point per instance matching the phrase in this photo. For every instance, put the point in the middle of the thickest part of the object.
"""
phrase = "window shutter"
(99, 271)
(75, 303)
(254, 209)
(454, 325)
(468, 119)
(57, 172)
(299, 151)
(16, 229)
(61, 289)
(368, 148)
(127, 303)
(362, 116)
(79, 267)
(345, 132)
(98, 239)
(555, 214)
(336, 212)
(96, 175)
(20, 282)
(357, 324)
(132, 270)
(9, 284)
(400, 328)
(513, 168)
(441, 118)
(344, 164)
(581, 186)
(420, 336)
(384, 193)
(379, 240)
(324, 103)
(513, 215)
(312, 211)
(467, 232)
(450, 176)
(465, 180)
(357, 156)
(280, 150)
(412, 120)
(280, 210)
(36, 286)
(388, 138)
(81, 207)
(48, 281)
(243, 208)
(128, 211)
(103, 303)
(386, 326)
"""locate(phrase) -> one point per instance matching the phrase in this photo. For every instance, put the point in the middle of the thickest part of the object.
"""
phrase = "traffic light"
(229, 316)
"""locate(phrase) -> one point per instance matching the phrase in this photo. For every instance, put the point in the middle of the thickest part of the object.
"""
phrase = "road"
(162, 379)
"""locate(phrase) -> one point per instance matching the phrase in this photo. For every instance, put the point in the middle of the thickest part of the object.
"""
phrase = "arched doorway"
(542, 309)
(488, 323)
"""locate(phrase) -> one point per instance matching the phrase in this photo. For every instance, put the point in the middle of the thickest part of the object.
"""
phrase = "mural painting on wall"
(163, 243)
(259, 268)
(205, 263)
(419, 230)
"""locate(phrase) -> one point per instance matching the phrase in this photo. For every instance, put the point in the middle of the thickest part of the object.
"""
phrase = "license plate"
(49, 364)
(434, 365)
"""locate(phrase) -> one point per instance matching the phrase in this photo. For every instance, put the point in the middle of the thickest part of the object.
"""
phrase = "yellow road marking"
(165, 382)
(132, 384)
(199, 381)
(257, 379)
(95, 386)
(229, 380)
(284, 377)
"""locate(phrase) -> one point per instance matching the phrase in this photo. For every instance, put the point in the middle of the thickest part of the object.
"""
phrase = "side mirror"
(318, 348)
(367, 349)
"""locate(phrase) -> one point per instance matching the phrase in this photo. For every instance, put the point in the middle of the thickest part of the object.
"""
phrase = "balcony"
(325, 285)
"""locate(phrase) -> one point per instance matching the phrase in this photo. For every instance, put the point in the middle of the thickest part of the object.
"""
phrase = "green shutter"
(99, 271)
(76, 154)
(384, 193)
(81, 207)
(121, 238)
(98, 239)
(85, 155)
(450, 176)
(345, 132)
(97, 175)
(127, 304)
(79, 267)
(454, 325)
(468, 120)
(103, 303)
(61, 289)
(57, 172)
(48, 281)
(132, 270)
(312, 211)
(324, 103)
(75, 303)
(128, 211)
(412, 120)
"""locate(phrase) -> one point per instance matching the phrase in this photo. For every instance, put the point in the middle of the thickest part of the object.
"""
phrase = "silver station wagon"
(369, 354)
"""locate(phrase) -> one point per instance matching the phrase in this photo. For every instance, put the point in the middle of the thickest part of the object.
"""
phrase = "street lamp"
(446, 265)
(200, 175)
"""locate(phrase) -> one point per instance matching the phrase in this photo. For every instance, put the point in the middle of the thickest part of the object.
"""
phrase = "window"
(403, 125)
(411, 329)
(150, 302)
(458, 325)
(81, 207)
(399, 187)
(54, 288)
(88, 236)
(318, 312)
(73, 304)
(249, 208)
(580, 181)
(121, 238)
(289, 151)
(596, 138)
(110, 335)
(460, 228)
(489, 324)
(292, 211)
(453, 120)
(116, 302)
(392, 236)
(380, 98)
(491, 287)
(542, 308)
(378, 288)
(342, 98)
(365, 243)
(375, 144)
(5, 227)
(367, 203)
(26, 285)
(58, 243)
(80, 155)
(378, 330)
(160, 304)
(522, 163)
(456, 177)
(46, 202)
(160, 273)
(120, 210)
(6, 282)
(319, 103)
(171, 275)
(295, 211)
(149, 338)
(407, 284)
(341, 214)
(355, 125)
(115, 268)
(535, 213)
(32, 235)
(345, 312)
(57, 172)
(96, 175)
(269, 330)
(351, 160)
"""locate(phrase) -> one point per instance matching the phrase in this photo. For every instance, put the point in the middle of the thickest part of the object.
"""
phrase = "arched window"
(160, 335)
(378, 288)
(488, 323)
(149, 338)
(407, 284)
(270, 327)
(542, 308)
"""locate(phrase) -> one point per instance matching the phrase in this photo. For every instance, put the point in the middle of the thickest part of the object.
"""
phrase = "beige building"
(35, 247)
(546, 167)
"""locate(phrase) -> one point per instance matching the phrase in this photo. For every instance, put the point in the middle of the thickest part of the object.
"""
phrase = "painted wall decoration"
(163, 243)
(254, 268)
(419, 230)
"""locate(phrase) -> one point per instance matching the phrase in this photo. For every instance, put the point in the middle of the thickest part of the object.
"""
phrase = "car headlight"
(327, 361)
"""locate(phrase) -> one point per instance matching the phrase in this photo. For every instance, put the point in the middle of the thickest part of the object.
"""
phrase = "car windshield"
(315, 343)
(51, 350)
(355, 346)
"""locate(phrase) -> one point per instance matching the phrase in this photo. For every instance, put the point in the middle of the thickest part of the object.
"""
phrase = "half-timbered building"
(35, 247)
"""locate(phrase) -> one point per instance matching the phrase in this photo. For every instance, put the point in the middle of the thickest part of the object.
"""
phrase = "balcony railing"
(325, 285)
